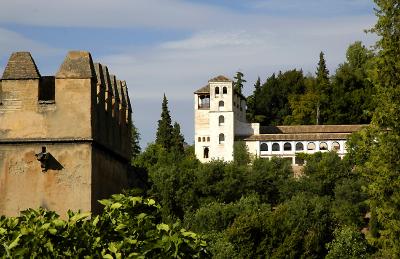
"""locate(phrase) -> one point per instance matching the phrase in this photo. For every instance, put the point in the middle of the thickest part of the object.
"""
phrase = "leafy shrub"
(128, 227)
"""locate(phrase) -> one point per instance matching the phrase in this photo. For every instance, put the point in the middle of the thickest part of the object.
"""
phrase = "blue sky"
(175, 46)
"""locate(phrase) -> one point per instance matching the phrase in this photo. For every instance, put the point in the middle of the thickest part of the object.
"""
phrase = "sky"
(176, 46)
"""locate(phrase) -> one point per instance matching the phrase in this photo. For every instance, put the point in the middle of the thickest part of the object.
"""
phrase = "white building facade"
(220, 120)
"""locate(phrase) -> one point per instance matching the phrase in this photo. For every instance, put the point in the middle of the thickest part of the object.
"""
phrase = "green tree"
(238, 83)
(135, 137)
(165, 129)
(352, 90)
(322, 90)
(178, 140)
(349, 243)
(241, 155)
(381, 141)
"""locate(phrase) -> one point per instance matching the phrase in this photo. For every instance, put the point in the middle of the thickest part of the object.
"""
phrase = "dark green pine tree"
(322, 90)
(135, 137)
(177, 139)
(252, 101)
(238, 84)
(164, 130)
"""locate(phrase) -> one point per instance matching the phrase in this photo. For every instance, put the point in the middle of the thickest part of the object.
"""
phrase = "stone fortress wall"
(64, 139)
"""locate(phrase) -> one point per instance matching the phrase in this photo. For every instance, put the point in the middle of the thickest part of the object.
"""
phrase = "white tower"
(220, 115)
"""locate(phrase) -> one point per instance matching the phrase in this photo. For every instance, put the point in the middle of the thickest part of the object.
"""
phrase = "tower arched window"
(221, 138)
(221, 120)
(264, 147)
(221, 105)
(224, 90)
(311, 146)
(287, 146)
(276, 147)
(217, 90)
(205, 152)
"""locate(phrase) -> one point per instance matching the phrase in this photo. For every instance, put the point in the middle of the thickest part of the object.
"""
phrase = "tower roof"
(78, 65)
(203, 90)
(220, 78)
(21, 66)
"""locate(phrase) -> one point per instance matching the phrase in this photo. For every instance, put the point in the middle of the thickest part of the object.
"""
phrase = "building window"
(311, 146)
(208, 139)
(221, 104)
(264, 147)
(216, 90)
(276, 147)
(199, 139)
(204, 139)
(221, 120)
(224, 90)
(287, 146)
(323, 146)
(335, 146)
(221, 138)
(205, 153)
(299, 146)
(299, 161)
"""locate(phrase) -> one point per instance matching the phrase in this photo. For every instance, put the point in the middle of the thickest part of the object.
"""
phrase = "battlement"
(82, 101)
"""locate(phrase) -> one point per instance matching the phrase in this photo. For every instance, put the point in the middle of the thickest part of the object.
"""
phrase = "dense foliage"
(260, 209)
(291, 98)
(129, 227)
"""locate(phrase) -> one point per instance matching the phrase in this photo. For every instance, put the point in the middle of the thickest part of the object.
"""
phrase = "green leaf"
(116, 205)
(163, 226)
(107, 256)
(53, 231)
(95, 221)
(151, 202)
(15, 242)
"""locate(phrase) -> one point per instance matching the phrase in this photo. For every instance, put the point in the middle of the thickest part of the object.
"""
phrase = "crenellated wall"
(81, 116)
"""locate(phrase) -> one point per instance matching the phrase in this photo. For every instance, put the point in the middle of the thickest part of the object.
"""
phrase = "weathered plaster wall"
(66, 185)
(109, 176)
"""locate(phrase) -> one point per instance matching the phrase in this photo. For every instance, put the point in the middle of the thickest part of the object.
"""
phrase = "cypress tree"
(135, 137)
(322, 90)
(164, 130)
(238, 84)
(177, 139)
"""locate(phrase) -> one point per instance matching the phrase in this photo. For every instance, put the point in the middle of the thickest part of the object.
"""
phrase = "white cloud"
(106, 13)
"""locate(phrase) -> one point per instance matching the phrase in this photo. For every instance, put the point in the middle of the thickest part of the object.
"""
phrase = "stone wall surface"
(82, 115)
(65, 185)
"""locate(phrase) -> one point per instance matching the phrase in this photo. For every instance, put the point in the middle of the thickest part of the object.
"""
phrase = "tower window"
(276, 147)
(216, 90)
(205, 152)
(221, 138)
(208, 139)
(204, 139)
(199, 139)
(221, 120)
(224, 90)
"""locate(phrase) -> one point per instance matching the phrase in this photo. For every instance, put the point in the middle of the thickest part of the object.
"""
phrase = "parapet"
(21, 66)
(64, 106)
(77, 65)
